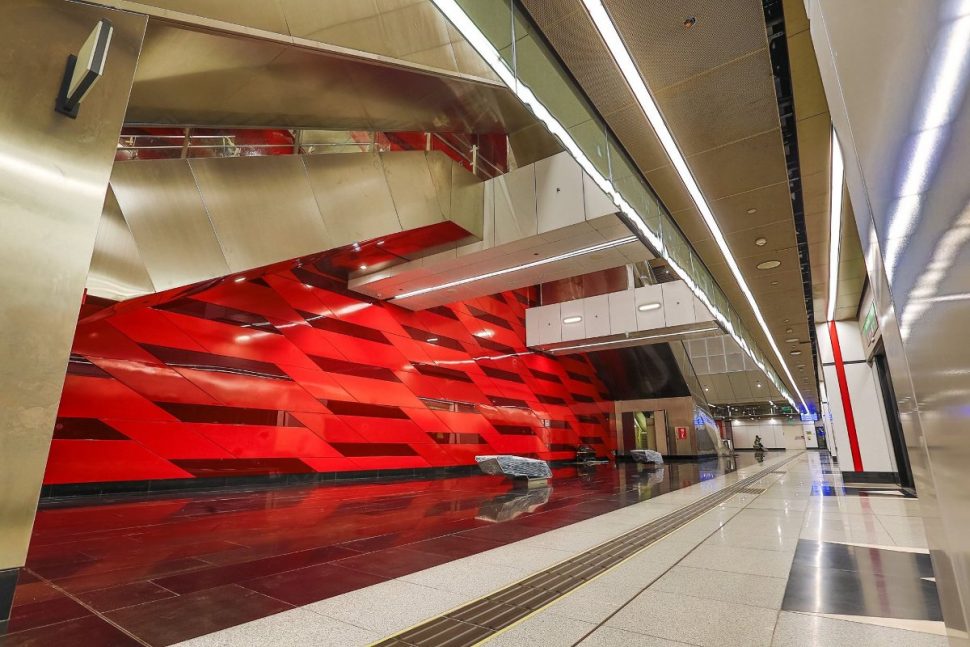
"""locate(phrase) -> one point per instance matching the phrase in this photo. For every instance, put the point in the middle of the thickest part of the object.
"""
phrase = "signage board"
(681, 433)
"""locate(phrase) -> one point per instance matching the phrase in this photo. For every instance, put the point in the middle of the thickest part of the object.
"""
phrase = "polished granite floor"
(157, 571)
(794, 559)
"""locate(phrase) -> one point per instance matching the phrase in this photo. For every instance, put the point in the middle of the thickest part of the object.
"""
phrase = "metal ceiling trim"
(781, 69)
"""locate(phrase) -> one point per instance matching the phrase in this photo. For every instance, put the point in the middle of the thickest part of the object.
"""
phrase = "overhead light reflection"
(944, 86)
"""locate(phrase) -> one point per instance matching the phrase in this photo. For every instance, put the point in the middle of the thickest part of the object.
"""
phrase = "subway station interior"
(440, 323)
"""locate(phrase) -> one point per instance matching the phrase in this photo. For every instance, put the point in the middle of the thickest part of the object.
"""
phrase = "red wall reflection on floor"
(290, 372)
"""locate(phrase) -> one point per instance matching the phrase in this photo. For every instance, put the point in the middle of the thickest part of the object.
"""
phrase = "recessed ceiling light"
(572, 320)
(432, 340)
(769, 265)
(795, 352)
(647, 307)
(752, 210)
(760, 242)
(785, 320)
(792, 340)
(380, 242)
(759, 385)
(774, 283)
(363, 267)
(788, 330)
(707, 388)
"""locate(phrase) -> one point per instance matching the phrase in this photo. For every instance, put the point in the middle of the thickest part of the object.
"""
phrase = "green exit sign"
(787, 409)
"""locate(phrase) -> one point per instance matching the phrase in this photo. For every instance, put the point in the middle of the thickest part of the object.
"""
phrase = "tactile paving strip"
(479, 620)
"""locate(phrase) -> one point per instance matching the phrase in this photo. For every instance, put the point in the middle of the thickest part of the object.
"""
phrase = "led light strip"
(835, 221)
(474, 36)
(607, 30)
(519, 268)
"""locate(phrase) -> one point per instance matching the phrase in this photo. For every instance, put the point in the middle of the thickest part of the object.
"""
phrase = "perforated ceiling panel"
(715, 85)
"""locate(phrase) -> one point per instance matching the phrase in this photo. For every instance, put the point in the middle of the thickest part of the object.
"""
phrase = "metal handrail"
(188, 141)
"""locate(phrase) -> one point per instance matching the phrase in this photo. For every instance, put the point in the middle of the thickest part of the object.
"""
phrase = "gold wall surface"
(398, 32)
(192, 220)
(53, 176)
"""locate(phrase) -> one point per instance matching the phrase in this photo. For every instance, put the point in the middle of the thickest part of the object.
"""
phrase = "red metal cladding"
(846, 399)
(289, 372)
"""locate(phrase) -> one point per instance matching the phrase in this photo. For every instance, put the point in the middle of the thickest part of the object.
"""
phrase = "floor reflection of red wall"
(292, 373)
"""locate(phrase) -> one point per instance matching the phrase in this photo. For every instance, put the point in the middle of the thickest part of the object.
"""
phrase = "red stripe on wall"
(846, 400)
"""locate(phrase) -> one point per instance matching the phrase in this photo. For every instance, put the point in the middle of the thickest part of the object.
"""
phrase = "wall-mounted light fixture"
(647, 307)
(84, 69)
(572, 320)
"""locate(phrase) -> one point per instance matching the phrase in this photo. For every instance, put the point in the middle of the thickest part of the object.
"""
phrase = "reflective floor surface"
(161, 570)
(793, 559)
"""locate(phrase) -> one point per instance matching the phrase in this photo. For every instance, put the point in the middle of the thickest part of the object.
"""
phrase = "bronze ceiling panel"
(742, 166)
(645, 150)
(779, 235)
(714, 85)
(703, 109)
(667, 53)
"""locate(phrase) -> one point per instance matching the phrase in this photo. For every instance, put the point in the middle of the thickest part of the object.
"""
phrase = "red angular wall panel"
(290, 372)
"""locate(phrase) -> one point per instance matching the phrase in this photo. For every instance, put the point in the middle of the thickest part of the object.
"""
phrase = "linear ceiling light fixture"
(609, 34)
(518, 268)
(835, 222)
(474, 36)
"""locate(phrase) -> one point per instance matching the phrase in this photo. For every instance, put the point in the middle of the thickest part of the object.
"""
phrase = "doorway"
(881, 365)
(644, 430)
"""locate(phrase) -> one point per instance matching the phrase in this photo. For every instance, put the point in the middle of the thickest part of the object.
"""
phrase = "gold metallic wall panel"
(261, 14)
(352, 196)
(194, 220)
(261, 208)
(400, 33)
(195, 77)
(166, 215)
(117, 271)
(806, 82)
(418, 189)
(53, 178)
(467, 204)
